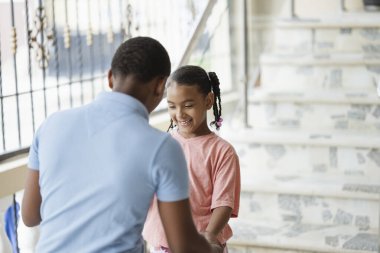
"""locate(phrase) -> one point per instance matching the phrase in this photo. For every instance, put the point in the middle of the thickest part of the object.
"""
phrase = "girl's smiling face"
(188, 109)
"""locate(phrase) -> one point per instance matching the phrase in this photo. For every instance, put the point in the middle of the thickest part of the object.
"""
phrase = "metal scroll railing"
(54, 54)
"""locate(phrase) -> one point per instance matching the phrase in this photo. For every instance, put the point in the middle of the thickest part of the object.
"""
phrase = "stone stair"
(330, 35)
(291, 152)
(321, 109)
(344, 71)
(310, 163)
(310, 199)
(268, 237)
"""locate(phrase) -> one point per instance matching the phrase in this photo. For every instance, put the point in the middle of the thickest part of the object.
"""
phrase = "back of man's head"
(142, 57)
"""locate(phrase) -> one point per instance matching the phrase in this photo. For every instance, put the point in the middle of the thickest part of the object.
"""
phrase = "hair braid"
(171, 126)
(217, 107)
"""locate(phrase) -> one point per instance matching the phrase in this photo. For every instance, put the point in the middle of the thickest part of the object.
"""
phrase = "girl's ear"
(210, 100)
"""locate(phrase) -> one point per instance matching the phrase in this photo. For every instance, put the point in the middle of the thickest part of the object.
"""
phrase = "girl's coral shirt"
(214, 176)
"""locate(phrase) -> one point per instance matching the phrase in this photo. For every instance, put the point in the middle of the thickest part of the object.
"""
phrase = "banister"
(198, 31)
(12, 175)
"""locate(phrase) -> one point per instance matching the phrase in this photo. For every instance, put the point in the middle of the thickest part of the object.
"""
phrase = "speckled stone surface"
(294, 159)
(327, 40)
(317, 77)
(298, 237)
(314, 194)
(326, 210)
(315, 116)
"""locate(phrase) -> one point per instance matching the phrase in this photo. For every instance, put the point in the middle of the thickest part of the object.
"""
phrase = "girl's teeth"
(184, 123)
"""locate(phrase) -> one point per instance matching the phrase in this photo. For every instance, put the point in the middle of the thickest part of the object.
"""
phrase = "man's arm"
(31, 202)
(180, 231)
(219, 219)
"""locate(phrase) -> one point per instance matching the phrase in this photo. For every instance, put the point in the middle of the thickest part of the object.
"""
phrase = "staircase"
(310, 164)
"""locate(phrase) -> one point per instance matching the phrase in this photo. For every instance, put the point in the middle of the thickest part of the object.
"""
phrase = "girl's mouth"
(184, 122)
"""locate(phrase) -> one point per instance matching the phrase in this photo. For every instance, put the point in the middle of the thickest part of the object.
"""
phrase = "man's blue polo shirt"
(99, 167)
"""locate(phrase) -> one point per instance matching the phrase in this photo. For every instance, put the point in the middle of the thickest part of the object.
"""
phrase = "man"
(94, 169)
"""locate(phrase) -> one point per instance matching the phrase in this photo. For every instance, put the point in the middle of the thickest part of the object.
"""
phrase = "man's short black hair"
(142, 57)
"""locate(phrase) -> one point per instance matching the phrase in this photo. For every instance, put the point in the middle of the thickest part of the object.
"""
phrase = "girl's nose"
(179, 113)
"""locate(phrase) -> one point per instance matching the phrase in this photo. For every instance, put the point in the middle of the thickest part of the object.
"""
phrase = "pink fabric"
(214, 175)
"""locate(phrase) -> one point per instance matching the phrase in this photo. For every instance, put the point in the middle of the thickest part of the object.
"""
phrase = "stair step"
(269, 237)
(335, 186)
(359, 19)
(294, 151)
(310, 199)
(325, 117)
(297, 137)
(327, 41)
(319, 72)
(318, 109)
(325, 96)
(365, 20)
(326, 36)
(320, 60)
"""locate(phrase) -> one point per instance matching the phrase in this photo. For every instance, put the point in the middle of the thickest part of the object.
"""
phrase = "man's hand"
(211, 238)
(180, 230)
(216, 247)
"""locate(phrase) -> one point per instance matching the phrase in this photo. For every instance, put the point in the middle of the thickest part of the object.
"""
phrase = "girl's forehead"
(176, 84)
(183, 88)
(183, 92)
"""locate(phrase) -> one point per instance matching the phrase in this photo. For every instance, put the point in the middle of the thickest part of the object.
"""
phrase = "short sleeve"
(33, 160)
(227, 183)
(170, 172)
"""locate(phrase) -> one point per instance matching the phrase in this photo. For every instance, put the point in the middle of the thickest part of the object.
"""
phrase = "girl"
(213, 165)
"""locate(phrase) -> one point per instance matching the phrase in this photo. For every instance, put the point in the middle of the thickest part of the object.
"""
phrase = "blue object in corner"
(10, 226)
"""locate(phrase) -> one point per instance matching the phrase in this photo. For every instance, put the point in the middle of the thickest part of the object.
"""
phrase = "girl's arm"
(219, 219)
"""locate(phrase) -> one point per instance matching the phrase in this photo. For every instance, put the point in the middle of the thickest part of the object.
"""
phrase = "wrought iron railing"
(60, 51)
(54, 54)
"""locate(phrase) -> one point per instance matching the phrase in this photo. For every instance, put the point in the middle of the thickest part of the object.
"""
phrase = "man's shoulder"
(60, 119)
(164, 138)
(66, 113)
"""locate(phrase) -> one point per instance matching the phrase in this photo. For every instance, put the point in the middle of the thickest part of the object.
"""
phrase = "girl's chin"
(185, 127)
(185, 131)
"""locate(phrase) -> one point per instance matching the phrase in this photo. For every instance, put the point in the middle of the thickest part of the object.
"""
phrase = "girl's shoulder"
(212, 141)
(221, 143)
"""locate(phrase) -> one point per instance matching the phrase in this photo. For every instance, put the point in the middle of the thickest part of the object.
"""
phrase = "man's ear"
(110, 81)
(210, 100)
(160, 86)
